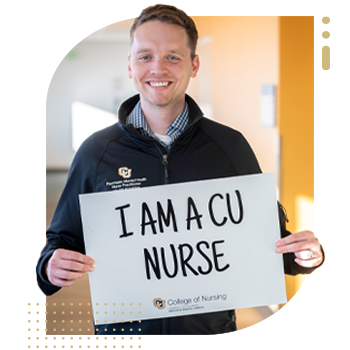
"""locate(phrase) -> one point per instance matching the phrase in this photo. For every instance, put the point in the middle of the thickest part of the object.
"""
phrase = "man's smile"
(158, 83)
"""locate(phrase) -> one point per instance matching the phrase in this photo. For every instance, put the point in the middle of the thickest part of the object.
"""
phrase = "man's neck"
(159, 118)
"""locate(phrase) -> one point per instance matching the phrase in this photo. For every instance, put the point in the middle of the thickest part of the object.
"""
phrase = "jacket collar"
(126, 108)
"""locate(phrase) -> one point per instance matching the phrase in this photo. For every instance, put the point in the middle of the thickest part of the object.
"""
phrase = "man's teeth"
(163, 83)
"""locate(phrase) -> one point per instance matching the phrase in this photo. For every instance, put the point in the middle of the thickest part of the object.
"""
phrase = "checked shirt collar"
(138, 120)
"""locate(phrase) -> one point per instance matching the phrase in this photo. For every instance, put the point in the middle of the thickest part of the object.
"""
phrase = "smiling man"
(161, 65)
(162, 137)
(162, 60)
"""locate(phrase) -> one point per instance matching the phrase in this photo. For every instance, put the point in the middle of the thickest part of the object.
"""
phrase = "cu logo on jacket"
(159, 303)
(124, 172)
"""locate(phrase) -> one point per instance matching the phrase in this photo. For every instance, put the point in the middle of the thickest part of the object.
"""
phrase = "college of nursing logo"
(124, 172)
(159, 303)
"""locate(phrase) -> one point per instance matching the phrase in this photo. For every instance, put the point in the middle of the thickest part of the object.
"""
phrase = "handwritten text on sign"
(208, 242)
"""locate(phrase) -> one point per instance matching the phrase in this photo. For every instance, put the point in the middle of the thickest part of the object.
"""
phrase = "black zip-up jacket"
(205, 150)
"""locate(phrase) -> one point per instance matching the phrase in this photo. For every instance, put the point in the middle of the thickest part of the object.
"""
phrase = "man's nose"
(159, 67)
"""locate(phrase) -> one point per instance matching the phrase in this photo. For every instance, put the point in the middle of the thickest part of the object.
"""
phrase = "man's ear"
(195, 66)
(129, 68)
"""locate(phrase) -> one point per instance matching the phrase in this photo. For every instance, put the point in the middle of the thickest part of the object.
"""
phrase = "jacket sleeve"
(65, 230)
(290, 266)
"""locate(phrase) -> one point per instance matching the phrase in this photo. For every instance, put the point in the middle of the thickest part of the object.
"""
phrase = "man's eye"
(144, 58)
(173, 58)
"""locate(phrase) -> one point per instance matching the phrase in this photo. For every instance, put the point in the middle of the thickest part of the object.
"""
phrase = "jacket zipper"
(165, 164)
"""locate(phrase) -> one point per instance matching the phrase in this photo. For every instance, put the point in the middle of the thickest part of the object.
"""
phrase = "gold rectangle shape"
(326, 57)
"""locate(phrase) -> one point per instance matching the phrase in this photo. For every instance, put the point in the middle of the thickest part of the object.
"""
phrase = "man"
(163, 137)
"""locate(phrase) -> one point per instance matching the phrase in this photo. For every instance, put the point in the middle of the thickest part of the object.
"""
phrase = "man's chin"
(159, 102)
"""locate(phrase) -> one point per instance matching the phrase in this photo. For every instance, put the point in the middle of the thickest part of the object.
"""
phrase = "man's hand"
(65, 266)
(304, 245)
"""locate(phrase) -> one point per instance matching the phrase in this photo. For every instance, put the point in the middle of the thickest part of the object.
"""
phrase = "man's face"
(160, 64)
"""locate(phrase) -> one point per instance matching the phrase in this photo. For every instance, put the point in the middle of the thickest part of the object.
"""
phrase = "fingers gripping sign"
(65, 266)
(304, 245)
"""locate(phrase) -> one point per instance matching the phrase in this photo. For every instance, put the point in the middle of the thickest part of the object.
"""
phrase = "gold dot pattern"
(56, 312)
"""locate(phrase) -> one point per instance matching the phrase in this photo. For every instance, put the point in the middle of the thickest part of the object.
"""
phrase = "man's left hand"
(304, 245)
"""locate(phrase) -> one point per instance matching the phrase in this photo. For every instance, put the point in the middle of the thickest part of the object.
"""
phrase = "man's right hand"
(65, 266)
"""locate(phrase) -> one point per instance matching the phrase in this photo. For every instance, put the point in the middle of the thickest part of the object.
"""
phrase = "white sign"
(183, 249)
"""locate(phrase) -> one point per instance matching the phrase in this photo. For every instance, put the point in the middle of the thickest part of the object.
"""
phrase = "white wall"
(96, 74)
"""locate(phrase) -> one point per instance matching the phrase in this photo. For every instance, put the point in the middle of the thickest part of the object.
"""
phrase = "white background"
(36, 35)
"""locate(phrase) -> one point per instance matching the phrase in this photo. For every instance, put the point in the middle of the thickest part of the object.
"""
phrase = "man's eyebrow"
(143, 51)
(177, 52)
(146, 50)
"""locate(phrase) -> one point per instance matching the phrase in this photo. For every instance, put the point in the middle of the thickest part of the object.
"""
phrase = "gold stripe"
(326, 57)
